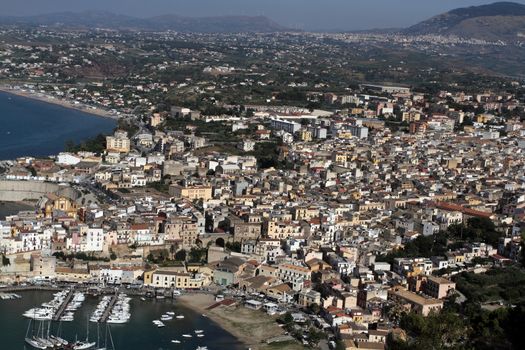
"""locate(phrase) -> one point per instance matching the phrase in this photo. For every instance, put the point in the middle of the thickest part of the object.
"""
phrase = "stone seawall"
(18, 190)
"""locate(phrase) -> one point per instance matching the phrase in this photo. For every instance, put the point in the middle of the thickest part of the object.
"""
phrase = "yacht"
(83, 345)
(180, 317)
(166, 318)
(35, 344)
(187, 335)
(158, 323)
(176, 341)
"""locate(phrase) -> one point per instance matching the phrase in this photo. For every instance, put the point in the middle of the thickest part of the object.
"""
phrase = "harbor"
(137, 333)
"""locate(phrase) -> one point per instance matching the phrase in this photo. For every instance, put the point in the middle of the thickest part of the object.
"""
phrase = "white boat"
(198, 331)
(200, 335)
(116, 321)
(35, 344)
(83, 345)
(166, 318)
(187, 335)
(171, 313)
(180, 317)
(158, 323)
(202, 348)
(176, 341)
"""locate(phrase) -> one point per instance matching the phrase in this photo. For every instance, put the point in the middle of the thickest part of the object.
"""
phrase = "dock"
(63, 307)
(107, 312)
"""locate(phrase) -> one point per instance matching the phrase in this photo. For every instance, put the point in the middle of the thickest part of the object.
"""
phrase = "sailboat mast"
(111, 339)
(87, 330)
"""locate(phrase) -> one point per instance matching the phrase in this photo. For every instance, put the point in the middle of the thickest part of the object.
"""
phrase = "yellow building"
(339, 157)
(60, 203)
(283, 230)
(306, 213)
(191, 192)
(119, 142)
(183, 229)
(305, 136)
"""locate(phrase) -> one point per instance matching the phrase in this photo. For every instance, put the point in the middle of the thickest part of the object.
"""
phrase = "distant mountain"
(95, 19)
(497, 21)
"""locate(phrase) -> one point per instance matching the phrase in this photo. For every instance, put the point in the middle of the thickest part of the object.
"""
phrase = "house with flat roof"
(414, 302)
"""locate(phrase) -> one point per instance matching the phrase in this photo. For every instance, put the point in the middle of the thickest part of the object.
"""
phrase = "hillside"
(95, 19)
(498, 21)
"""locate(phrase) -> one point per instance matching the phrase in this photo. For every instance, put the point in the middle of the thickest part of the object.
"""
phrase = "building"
(177, 279)
(155, 120)
(414, 302)
(386, 88)
(191, 192)
(43, 266)
(438, 287)
(246, 145)
(119, 142)
(308, 297)
(296, 275)
(285, 125)
(360, 132)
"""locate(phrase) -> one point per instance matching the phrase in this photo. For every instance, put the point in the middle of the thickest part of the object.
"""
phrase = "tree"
(173, 250)
(234, 246)
(287, 318)
(219, 242)
(315, 335)
(197, 255)
(180, 255)
(5, 261)
(444, 330)
(314, 308)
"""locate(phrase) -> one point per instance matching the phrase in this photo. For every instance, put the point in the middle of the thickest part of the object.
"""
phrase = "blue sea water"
(30, 127)
(139, 334)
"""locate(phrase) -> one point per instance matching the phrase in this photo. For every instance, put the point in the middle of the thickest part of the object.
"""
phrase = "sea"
(30, 127)
(138, 334)
(12, 208)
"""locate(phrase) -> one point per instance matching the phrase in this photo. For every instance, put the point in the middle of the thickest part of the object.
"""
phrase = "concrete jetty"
(63, 307)
(107, 312)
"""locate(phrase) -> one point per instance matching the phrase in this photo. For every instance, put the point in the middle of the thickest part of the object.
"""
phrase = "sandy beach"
(59, 102)
(251, 327)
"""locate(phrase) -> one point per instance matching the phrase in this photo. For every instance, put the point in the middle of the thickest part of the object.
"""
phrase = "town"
(348, 213)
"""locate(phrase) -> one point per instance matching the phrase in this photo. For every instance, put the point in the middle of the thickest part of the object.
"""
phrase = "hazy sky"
(303, 14)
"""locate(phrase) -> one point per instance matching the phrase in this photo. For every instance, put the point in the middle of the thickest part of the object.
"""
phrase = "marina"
(9, 296)
(137, 333)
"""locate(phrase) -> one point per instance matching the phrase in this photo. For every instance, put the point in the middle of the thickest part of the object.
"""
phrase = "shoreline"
(198, 303)
(250, 327)
(38, 96)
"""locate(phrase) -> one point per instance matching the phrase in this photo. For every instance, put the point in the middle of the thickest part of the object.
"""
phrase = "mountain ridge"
(496, 21)
(109, 20)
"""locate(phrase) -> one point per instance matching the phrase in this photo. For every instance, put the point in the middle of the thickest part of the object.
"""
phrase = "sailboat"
(79, 345)
(105, 347)
(33, 340)
(57, 338)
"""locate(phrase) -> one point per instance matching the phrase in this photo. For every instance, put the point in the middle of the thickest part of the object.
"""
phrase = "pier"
(63, 307)
(107, 312)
